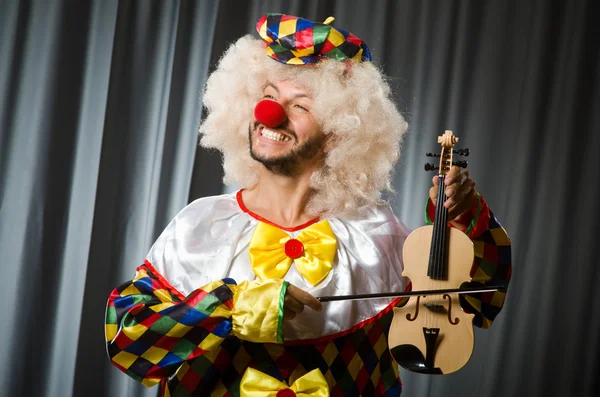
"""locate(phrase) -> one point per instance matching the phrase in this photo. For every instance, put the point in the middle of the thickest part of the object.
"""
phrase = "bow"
(272, 251)
(257, 384)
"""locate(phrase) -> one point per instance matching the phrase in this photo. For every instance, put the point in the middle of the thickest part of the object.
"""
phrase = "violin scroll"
(448, 140)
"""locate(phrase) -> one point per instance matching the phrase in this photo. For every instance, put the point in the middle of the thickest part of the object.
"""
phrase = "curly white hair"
(352, 102)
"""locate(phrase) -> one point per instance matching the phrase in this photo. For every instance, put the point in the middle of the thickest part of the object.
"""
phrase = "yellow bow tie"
(272, 251)
(257, 384)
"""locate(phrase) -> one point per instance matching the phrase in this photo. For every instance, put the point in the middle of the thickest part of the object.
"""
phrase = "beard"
(288, 164)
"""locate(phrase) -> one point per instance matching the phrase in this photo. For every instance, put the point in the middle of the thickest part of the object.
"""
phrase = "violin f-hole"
(456, 319)
(411, 318)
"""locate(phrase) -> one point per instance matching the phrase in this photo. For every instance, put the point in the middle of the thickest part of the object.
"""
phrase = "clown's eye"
(301, 107)
(267, 96)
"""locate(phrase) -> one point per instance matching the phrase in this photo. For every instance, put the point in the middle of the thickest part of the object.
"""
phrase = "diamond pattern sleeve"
(151, 329)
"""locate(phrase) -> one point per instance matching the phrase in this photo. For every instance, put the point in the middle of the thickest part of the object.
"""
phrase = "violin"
(432, 334)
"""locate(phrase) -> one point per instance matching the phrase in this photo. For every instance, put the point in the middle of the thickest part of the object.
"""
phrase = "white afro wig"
(351, 102)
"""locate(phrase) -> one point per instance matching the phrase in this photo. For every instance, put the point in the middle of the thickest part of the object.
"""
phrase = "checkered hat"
(298, 41)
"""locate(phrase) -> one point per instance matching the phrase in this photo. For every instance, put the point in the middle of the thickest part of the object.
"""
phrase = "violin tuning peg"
(462, 152)
(431, 167)
(461, 163)
(432, 154)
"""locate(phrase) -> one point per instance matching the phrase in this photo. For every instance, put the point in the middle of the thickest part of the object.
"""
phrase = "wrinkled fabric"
(209, 240)
(258, 310)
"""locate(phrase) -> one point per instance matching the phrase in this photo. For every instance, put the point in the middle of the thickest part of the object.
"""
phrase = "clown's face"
(296, 145)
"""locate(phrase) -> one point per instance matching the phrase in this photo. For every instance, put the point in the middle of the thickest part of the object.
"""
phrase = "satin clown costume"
(203, 315)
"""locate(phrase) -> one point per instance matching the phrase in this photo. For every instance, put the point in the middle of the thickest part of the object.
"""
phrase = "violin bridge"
(436, 308)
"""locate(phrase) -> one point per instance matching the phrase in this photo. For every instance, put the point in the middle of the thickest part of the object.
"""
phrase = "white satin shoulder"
(208, 240)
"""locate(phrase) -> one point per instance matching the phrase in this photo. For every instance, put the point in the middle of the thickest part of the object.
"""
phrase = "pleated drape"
(100, 102)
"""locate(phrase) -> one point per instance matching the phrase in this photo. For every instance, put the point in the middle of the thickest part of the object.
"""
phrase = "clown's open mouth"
(275, 136)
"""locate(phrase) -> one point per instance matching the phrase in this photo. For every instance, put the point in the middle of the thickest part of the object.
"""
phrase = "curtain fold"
(100, 103)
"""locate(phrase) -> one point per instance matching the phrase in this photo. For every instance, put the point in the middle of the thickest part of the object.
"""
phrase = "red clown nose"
(269, 113)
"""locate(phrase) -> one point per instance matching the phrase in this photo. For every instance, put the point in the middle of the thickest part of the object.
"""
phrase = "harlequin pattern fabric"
(298, 41)
(150, 332)
(153, 335)
(356, 364)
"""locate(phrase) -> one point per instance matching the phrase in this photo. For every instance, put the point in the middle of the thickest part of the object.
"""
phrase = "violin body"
(432, 334)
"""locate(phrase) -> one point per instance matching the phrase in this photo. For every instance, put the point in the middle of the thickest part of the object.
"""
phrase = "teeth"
(275, 136)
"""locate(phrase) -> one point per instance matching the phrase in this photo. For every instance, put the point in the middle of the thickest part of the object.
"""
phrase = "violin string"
(441, 227)
(442, 233)
(445, 265)
(439, 242)
(444, 225)
(432, 271)
(444, 217)
(441, 238)
(436, 233)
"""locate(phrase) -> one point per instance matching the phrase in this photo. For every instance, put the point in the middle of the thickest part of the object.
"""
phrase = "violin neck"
(438, 269)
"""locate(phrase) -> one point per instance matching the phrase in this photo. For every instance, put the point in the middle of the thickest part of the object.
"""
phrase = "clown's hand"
(295, 300)
(460, 192)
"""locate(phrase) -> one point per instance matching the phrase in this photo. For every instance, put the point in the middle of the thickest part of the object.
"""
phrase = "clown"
(307, 127)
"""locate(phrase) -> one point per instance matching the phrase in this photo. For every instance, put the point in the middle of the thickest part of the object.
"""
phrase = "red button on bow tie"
(293, 248)
(286, 393)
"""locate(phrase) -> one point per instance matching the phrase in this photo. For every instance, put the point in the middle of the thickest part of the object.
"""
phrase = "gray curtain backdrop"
(99, 107)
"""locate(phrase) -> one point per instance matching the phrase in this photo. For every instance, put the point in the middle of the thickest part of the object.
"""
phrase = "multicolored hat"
(298, 41)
